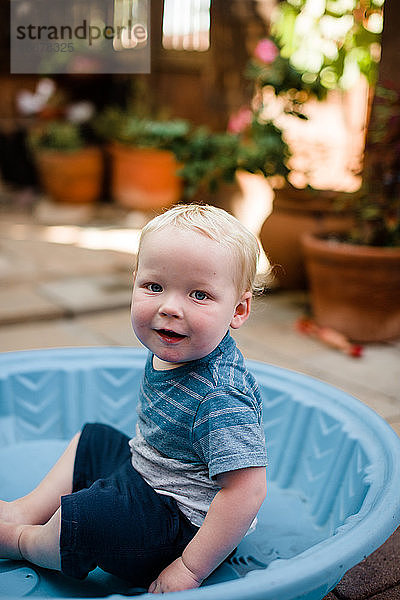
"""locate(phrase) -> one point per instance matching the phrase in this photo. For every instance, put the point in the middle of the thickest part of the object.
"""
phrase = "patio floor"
(66, 282)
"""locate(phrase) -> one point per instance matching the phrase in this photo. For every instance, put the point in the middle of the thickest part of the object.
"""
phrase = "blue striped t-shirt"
(195, 422)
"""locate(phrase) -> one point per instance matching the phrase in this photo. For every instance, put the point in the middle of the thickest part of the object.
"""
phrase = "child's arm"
(229, 517)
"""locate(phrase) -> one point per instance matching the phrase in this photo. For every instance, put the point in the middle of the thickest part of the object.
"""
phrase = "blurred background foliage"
(330, 41)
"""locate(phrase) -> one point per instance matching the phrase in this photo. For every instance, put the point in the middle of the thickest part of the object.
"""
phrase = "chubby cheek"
(200, 320)
(141, 313)
(209, 326)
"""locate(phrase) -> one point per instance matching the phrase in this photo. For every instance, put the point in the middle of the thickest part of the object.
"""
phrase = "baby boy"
(164, 508)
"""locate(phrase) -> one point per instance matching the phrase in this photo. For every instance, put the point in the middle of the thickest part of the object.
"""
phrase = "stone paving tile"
(48, 212)
(282, 338)
(372, 367)
(83, 294)
(32, 260)
(259, 350)
(114, 327)
(273, 322)
(271, 327)
(15, 268)
(23, 303)
(390, 594)
(47, 334)
(375, 574)
(279, 308)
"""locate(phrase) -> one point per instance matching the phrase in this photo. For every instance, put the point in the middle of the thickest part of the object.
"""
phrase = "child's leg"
(39, 505)
(118, 524)
(39, 544)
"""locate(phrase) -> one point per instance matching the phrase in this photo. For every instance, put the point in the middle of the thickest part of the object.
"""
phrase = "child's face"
(184, 296)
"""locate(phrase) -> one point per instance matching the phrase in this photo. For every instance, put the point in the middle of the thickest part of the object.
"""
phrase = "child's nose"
(171, 307)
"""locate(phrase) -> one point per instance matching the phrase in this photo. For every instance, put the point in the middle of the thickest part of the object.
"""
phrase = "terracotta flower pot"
(296, 211)
(71, 177)
(354, 289)
(144, 178)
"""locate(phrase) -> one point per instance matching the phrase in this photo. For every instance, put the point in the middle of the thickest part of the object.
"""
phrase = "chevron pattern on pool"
(51, 403)
(310, 452)
(308, 449)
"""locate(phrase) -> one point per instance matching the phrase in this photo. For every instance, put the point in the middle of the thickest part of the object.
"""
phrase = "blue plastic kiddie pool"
(334, 473)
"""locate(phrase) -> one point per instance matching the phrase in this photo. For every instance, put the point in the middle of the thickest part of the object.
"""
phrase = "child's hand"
(174, 578)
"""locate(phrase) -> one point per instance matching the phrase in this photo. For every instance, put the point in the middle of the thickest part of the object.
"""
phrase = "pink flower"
(266, 51)
(240, 120)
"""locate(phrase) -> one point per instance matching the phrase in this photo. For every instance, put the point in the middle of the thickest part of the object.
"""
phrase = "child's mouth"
(167, 335)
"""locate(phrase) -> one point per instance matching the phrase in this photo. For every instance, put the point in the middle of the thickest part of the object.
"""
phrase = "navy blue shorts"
(113, 519)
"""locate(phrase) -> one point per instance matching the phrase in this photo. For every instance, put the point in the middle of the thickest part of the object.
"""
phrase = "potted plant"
(143, 151)
(70, 169)
(156, 163)
(355, 279)
(310, 51)
(297, 211)
(210, 159)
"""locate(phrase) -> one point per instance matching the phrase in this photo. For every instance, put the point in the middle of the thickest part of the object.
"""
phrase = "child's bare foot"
(9, 536)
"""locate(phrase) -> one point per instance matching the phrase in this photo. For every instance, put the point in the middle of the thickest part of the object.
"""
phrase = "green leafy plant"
(269, 69)
(330, 42)
(314, 47)
(125, 127)
(207, 158)
(62, 136)
(210, 158)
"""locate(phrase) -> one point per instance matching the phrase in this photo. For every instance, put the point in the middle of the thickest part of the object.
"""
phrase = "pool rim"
(355, 539)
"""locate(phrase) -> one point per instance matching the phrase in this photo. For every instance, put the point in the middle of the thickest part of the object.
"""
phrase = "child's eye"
(154, 287)
(199, 295)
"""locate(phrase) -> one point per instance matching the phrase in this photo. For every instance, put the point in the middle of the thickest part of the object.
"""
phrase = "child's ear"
(242, 311)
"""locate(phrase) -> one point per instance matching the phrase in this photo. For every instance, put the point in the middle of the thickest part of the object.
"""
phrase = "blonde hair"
(220, 226)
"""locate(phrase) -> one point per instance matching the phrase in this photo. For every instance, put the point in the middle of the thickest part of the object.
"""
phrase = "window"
(127, 15)
(186, 25)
